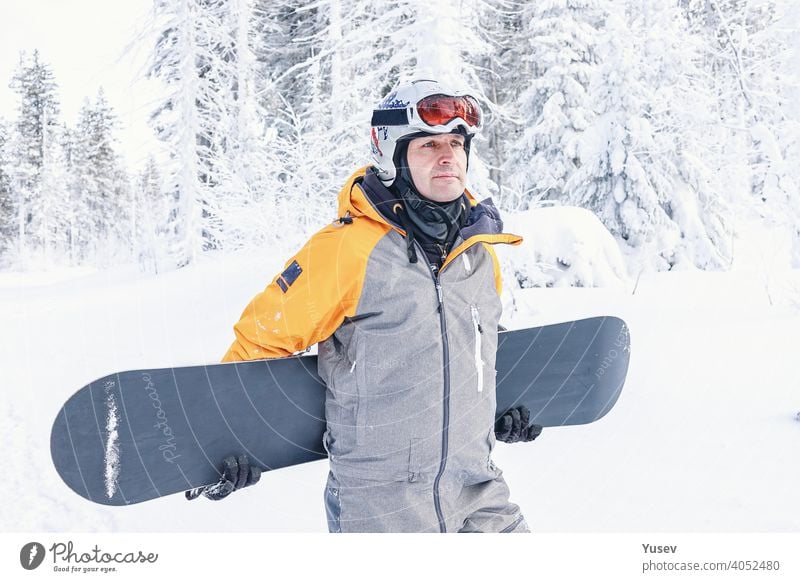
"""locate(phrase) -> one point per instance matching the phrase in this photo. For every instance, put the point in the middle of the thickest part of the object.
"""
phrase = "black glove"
(513, 427)
(237, 473)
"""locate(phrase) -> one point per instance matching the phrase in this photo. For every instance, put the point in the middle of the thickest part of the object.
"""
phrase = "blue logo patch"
(289, 276)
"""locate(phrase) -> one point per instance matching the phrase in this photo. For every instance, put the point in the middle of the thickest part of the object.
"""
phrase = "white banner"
(536, 557)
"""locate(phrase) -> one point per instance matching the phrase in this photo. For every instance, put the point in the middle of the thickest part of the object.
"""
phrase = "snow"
(562, 246)
(704, 437)
(33, 278)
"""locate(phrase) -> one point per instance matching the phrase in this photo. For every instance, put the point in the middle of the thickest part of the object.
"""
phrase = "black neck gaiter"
(435, 225)
(437, 222)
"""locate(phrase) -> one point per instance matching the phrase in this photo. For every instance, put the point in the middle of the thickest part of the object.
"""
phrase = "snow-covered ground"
(704, 437)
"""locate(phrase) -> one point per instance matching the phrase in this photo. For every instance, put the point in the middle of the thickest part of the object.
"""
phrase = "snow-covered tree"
(662, 118)
(499, 22)
(678, 160)
(7, 214)
(640, 165)
(207, 118)
(178, 121)
(318, 80)
(148, 214)
(66, 184)
(789, 72)
(54, 208)
(747, 51)
(98, 183)
(37, 118)
(557, 58)
(325, 79)
(240, 162)
(324, 65)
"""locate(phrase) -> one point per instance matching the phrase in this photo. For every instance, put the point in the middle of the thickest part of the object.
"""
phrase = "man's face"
(438, 166)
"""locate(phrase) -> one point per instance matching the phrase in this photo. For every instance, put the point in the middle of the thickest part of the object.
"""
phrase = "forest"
(669, 120)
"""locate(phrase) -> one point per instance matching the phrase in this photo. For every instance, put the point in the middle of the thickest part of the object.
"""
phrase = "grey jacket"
(408, 355)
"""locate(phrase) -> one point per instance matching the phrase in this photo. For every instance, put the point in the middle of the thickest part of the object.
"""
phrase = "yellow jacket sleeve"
(310, 299)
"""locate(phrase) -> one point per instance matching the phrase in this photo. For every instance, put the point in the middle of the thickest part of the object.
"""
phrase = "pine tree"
(206, 119)
(679, 117)
(319, 80)
(76, 213)
(177, 122)
(82, 189)
(500, 74)
(556, 61)
(98, 183)
(38, 112)
(149, 215)
(640, 158)
(789, 73)
(54, 209)
(7, 212)
(747, 51)
(324, 66)
(743, 47)
(609, 179)
(239, 158)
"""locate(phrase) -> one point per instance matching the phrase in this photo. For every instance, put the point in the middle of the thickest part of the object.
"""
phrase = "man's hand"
(513, 427)
(236, 473)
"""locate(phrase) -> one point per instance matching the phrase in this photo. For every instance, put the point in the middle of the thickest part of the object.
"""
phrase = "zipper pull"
(476, 322)
(439, 295)
(476, 318)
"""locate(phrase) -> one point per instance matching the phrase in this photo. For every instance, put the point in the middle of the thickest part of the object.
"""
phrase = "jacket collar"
(365, 195)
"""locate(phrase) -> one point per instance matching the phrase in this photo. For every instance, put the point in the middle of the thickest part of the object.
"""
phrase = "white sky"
(85, 43)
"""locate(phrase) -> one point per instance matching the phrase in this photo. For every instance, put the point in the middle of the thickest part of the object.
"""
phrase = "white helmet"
(416, 109)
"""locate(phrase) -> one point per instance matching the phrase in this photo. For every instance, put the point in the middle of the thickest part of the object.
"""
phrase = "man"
(402, 293)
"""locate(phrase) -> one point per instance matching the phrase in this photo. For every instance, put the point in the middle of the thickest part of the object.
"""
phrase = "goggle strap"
(382, 117)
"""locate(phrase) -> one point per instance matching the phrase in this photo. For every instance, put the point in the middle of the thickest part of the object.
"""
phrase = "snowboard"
(138, 435)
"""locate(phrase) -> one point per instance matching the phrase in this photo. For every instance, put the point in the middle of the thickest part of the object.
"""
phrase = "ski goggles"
(432, 111)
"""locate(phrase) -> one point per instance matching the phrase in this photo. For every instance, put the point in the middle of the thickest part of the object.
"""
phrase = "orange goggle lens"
(442, 109)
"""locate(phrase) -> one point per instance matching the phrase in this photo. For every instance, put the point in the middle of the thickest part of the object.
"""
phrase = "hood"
(353, 202)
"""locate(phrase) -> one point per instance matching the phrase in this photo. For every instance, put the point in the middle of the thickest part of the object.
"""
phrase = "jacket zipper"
(437, 502)
(446, 415)
(442, 252)
(435, 275)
